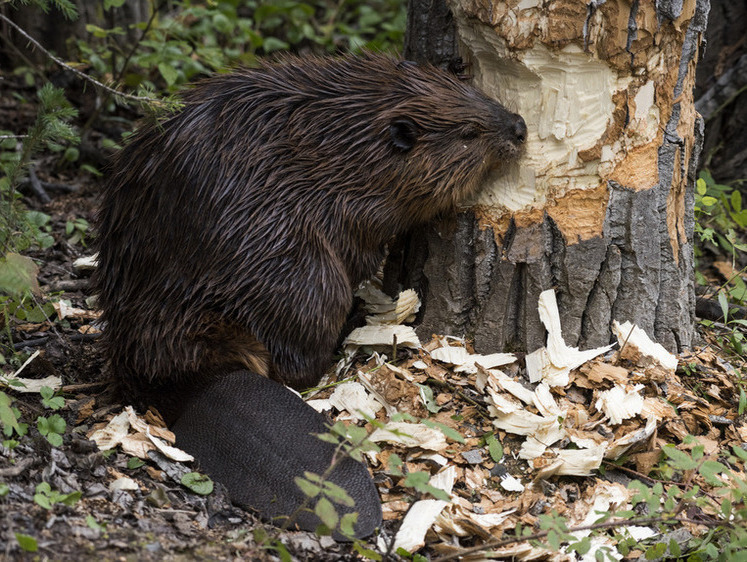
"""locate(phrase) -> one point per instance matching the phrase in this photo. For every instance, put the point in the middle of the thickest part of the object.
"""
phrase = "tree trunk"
(721, 91)
(601, 206)
(58, 34)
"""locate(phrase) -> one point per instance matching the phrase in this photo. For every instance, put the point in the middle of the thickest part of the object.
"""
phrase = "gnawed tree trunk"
(600, 208)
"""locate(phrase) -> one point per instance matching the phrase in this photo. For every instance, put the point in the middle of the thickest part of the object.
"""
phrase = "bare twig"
(99, 108)
(75, 71)
(37, 187)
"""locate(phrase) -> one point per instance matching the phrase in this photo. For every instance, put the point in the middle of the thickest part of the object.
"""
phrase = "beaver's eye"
(470, 132)
(404, 133)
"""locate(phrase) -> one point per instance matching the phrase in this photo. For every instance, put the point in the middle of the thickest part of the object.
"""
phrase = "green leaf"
(168, 72)
(91, 170)
(309, 489)
(8, 417)
(57, 423)
(96, 31)
(426, 395)
(710, 470)
(326, 512)
(315, 478)
(582, 547)
(109, 4)
(68, 8)
(680, 459)
(656, 551)
(700, 186)
(274, 44)
(419, 481)
(724, 305)
(198, 483)
(445, 429)
(42, 500)
(93, 524)
(18, 275)
(495, 448)
(55, 439)
(338, 494)
(736, 200)
(368, 553)
(134, 462)
(71, 499)
(222, 24)
(71, 154)
(282, 551)
(739, 452)
(347, 524)
(395, 465)
(708, 201)
(27, 542)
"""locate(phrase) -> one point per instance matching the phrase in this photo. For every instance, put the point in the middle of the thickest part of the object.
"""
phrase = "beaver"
(231, 236)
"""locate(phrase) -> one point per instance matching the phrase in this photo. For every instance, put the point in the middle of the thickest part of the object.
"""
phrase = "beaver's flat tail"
(255, 437)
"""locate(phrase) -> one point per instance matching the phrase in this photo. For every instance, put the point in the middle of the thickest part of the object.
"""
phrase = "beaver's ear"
(404, 133)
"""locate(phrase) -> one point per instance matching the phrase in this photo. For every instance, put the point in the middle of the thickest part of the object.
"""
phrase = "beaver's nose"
(519, 129)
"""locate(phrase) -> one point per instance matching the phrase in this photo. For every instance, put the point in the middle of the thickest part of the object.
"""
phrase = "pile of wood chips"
(560, 415)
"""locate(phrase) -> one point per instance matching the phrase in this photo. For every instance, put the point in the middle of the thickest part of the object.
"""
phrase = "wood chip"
(382, 337)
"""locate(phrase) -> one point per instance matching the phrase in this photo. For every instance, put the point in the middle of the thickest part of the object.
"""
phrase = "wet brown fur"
(231, 234)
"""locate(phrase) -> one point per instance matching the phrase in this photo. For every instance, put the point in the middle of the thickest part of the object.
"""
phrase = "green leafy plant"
(721, 223)
(52, 428)
(195, 39)
(198, 483)
(323, 495)
(268, 542)
(495, 448)
(10, 420)
(20, 229)
(719, 214)
(418, 481)
(415, 557)
(95, 525)
(49, 400)
(76, 230)
(46, 497)
(66, 7)
(26, 542)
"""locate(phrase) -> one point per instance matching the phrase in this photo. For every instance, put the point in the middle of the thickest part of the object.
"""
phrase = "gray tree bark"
(616, 244)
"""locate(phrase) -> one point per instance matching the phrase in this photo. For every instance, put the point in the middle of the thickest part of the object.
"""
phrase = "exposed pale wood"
(601, 207)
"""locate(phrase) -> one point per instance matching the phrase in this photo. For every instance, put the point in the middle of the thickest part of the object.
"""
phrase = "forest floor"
(90, 510)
